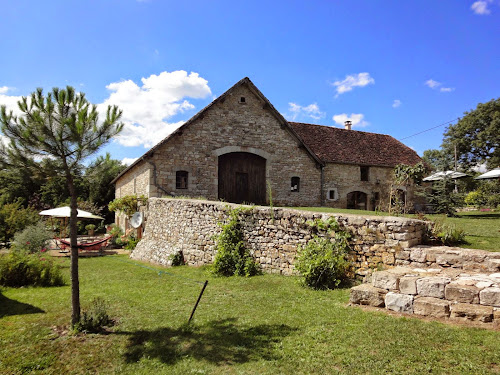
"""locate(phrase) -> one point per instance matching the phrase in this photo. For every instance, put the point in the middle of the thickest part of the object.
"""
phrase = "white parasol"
(445, 174)
(495, 173)
(66, 212)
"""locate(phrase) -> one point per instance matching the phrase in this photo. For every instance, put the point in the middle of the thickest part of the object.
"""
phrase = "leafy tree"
(439, 160)
(62, 125)
(476, 135)
(14, 217)
(98, 177)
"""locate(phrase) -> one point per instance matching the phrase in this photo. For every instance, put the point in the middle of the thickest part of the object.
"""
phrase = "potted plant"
(90, 229)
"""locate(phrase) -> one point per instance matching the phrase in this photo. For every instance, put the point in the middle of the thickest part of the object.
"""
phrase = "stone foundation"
(273, 237)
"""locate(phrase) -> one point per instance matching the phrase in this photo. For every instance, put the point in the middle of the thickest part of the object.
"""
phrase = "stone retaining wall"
(189, 226)
(441, 293)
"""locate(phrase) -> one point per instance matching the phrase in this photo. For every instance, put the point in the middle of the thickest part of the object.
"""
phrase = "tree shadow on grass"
(217, 342)
(13, 307)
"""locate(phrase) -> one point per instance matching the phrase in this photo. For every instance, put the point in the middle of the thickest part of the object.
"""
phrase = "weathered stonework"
(435, 292)
(186, 225)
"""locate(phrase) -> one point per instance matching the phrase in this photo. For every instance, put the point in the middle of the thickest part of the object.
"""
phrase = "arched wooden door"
(357, 200)
(242, 178)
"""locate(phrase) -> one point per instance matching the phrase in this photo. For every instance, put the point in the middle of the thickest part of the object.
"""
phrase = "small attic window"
(242, 100)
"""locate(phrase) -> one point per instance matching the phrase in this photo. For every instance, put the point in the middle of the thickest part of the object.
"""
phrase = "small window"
(181, 180)
(365, 173)
(332, 194)
(295, 184)
(242, 99)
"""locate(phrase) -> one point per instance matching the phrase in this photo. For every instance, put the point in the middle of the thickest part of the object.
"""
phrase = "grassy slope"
(263, 325)
(482, 228)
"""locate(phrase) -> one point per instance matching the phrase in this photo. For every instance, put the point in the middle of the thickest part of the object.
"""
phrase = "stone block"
(399, 302)
(430, 306)
(468, 311)
(366, 294)
(408, 284)
(490, 296)
(403, 255)
(385, 280)
(457, 292)
(432, 286)
(418, 255)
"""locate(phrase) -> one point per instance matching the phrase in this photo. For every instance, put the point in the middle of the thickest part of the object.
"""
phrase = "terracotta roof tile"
(336, 145)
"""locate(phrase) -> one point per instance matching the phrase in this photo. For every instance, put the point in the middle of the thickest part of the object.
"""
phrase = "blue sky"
(393, 67)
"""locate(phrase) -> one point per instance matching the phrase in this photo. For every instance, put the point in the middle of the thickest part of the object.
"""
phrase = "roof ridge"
(335, 127)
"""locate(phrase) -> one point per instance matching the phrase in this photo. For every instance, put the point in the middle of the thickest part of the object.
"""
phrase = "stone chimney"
(348, 125)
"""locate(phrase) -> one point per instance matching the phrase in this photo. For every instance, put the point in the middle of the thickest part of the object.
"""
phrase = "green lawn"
(482, 228)
(262, 325)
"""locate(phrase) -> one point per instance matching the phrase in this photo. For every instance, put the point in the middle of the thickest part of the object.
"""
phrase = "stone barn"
(240, 147)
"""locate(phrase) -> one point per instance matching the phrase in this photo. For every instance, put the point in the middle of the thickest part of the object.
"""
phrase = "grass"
(261, 325)
(482, 228)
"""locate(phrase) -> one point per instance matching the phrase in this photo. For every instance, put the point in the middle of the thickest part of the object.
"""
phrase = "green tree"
(98, 177)
(439, 160)
(476, 136)
(62, 125)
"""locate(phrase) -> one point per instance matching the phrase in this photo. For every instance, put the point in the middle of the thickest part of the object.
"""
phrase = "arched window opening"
(295, 185)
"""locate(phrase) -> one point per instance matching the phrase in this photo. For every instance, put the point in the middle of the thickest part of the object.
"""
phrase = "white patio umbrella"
(493, 174)
(441, 175)
(66, 212)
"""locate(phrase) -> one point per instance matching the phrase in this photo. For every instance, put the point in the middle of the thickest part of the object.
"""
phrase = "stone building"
(240, 147)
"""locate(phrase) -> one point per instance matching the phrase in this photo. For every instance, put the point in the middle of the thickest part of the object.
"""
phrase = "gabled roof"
(267, 104)
(336, 145)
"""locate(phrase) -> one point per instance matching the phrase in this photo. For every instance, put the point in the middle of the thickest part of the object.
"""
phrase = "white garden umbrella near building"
(445, 174)
(66, 212)
(493, 174)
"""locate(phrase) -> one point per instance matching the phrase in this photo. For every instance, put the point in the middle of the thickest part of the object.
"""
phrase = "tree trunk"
(75, 283)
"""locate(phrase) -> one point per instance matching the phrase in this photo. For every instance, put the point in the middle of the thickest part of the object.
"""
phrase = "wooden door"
(357, 200)
(242, 178)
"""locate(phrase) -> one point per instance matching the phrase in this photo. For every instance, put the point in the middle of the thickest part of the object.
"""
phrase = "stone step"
(436, 292)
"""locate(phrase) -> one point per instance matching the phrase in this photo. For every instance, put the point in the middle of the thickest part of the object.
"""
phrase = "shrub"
(476, 198)
(21, 269)
(14, 218)
(445, 234)
(177, 259)
(323, 262)
(130, 242)
(95, 318)
(32, 239)
(232, 257)
(116, 233)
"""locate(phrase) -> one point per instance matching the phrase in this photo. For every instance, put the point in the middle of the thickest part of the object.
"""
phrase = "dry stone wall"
(273, 236)
(436, 292)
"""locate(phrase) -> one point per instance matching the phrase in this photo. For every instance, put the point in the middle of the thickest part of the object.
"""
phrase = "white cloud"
(396, 103)
(481, 7)
(128, 161)
(147, 108)
(351, 81)
(10, 101)
(435, 85)
(312, 111)
(355, 118)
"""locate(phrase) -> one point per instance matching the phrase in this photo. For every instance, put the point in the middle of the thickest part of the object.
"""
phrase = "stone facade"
(229, 126)
(242, 120)
(189, 226)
